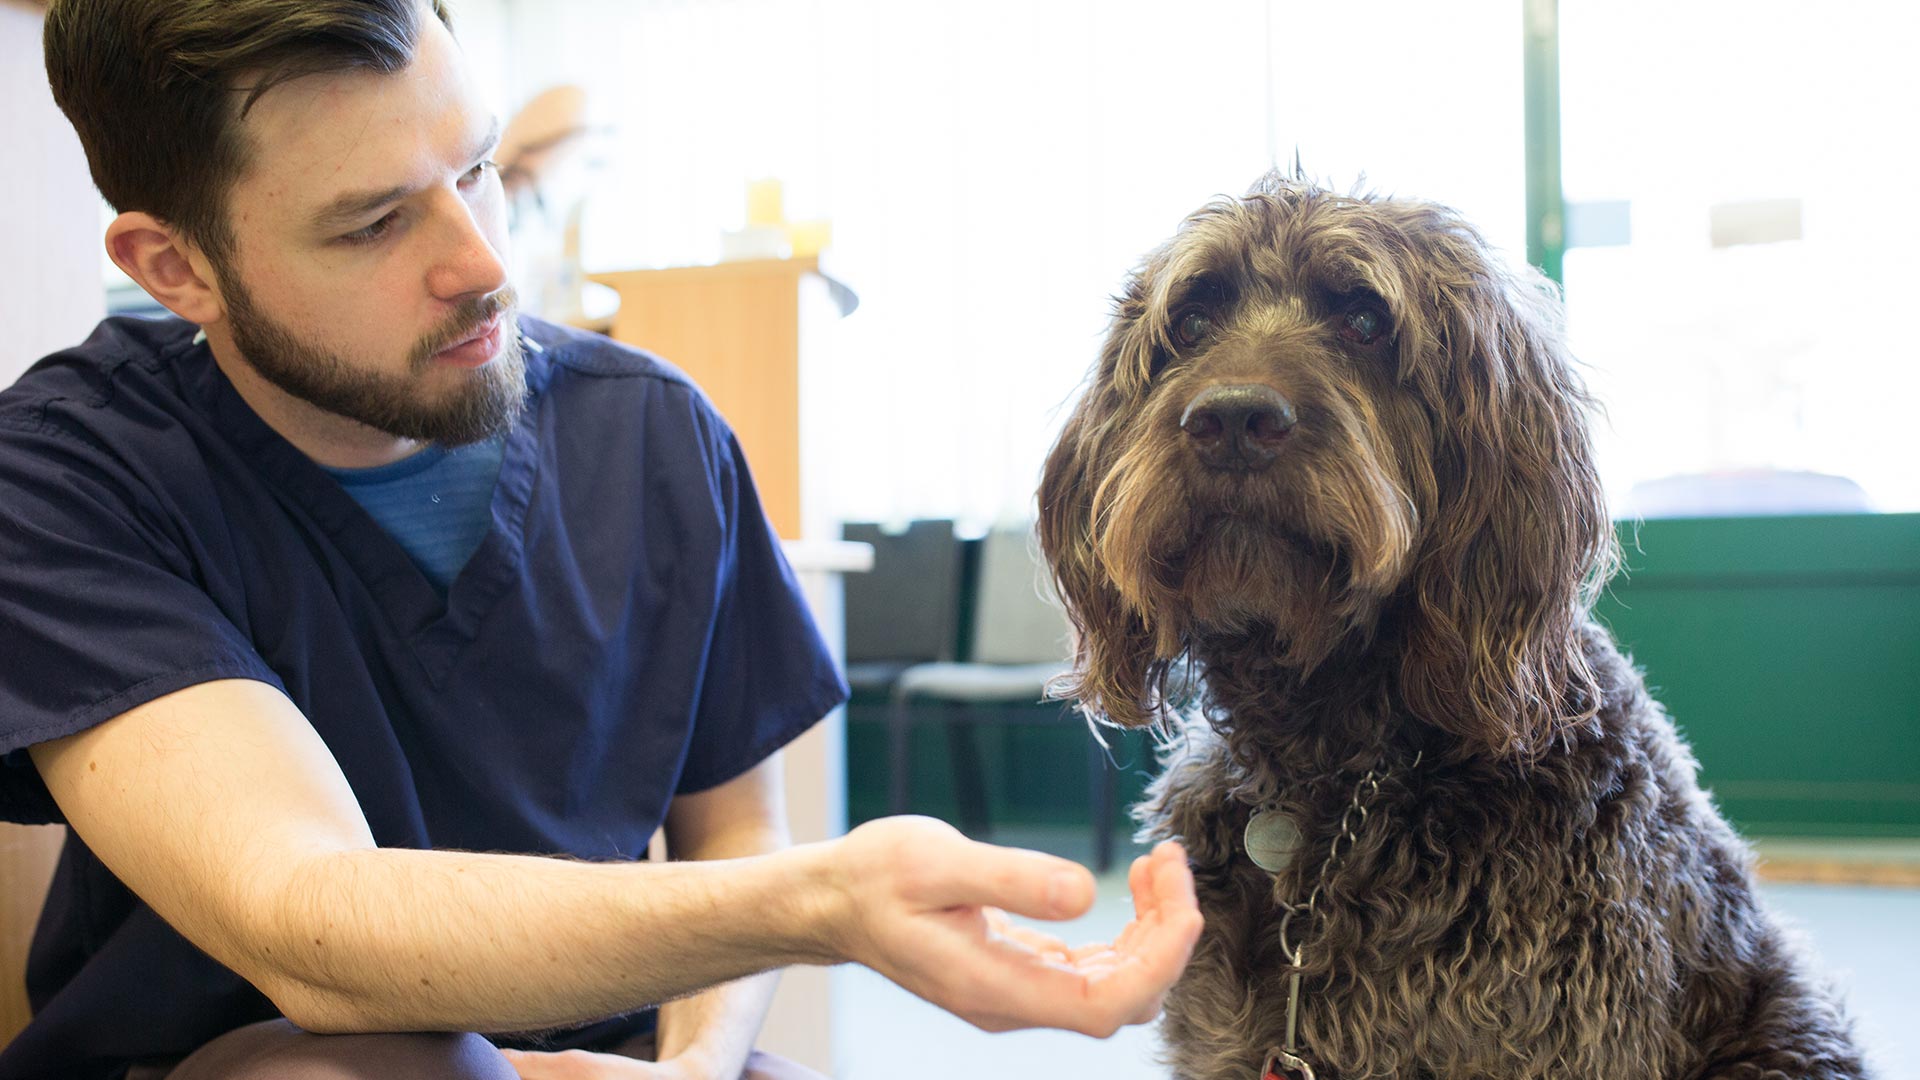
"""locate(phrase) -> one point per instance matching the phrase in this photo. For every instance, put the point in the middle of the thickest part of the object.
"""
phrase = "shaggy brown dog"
(1333, 461)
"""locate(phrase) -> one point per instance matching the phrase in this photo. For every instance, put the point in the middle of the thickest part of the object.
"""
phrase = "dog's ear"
(1519, 540)
(1118, 671)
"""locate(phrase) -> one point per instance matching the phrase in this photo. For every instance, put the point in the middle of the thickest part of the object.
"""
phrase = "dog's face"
(1322, 422)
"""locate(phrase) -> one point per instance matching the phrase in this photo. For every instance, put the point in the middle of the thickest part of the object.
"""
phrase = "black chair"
(1018, 643)
(905, 610)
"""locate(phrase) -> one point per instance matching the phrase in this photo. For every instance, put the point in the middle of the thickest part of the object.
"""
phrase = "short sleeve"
(769, 675)
(100, 606)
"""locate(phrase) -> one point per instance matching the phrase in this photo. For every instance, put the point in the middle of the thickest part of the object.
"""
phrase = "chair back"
(1017, 617)
(904, 609)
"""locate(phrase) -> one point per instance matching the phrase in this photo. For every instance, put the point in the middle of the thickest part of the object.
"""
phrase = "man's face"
(369, 243)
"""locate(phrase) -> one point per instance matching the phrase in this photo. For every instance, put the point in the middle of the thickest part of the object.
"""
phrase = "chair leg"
(900, 761)
(969, 778)
(1101, 775)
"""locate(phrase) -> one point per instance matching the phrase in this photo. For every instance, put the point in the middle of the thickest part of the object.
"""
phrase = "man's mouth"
(477, 348)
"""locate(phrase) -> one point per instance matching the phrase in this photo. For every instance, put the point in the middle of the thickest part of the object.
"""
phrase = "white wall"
(50, 255)
(992, 170)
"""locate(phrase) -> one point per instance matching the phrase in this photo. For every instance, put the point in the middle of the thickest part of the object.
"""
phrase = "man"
(367, 575)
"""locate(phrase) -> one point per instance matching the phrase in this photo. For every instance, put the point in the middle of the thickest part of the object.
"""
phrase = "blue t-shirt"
(628, 630)
(436, 503)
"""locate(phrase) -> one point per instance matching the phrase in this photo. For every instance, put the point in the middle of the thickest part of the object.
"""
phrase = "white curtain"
(992, 170)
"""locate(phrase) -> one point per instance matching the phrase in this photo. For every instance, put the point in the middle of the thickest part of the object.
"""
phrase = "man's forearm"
(221, 808)
(558, 942)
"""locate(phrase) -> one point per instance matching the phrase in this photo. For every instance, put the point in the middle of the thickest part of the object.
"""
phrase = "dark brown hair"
(156, 88)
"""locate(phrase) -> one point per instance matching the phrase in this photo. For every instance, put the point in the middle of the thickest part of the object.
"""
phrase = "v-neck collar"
(434, 627)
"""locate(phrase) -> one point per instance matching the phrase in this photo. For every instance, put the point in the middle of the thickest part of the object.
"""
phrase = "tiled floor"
(1867, 938)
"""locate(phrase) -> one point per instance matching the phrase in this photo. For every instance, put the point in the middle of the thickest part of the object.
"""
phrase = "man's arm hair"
(220, 806)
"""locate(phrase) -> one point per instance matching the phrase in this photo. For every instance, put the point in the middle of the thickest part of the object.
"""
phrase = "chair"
(1018, 643)
(903, 611)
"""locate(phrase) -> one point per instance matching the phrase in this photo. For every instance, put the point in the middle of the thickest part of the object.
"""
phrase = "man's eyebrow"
(354, 205)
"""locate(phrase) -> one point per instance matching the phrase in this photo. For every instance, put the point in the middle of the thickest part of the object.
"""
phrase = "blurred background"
(884, 235)
(991, 170)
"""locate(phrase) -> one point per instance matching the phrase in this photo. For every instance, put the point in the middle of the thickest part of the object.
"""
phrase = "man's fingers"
(967, 957)
(1044, 944)
(1026, 992)
(1165, 883)
(1092, 949)
(1168, 922)
(1026, 883)
(1106, 987)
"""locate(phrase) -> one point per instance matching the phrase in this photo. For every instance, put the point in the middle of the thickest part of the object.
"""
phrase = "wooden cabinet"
(744, 331)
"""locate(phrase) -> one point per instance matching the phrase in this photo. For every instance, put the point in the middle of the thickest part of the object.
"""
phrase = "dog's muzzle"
(1238, 427)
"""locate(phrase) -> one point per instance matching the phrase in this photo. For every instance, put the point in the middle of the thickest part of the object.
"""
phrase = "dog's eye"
(1363, 325)
(1191, 327)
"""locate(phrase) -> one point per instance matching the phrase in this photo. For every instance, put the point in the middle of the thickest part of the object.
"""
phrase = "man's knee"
(276, 1050)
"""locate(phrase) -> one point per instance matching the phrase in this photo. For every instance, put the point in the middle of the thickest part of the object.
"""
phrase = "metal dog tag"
(1271, 838)
(1284, 1066)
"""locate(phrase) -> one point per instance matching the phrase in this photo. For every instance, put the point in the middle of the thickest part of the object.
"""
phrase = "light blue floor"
(1867, 939)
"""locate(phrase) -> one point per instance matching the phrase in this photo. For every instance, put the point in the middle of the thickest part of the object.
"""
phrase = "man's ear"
(171, 268)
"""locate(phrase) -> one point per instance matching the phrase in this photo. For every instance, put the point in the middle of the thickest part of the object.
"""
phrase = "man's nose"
(468, 261)
(1238, 426)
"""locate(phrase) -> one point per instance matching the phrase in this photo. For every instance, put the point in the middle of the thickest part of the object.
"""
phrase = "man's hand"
(925, 910)
(581, 1065)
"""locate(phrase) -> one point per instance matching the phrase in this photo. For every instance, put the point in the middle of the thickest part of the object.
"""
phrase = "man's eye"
(372, 232)
(1191, 327)
(480, 170)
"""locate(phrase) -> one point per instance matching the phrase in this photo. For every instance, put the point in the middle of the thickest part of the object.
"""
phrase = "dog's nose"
(1237, 426)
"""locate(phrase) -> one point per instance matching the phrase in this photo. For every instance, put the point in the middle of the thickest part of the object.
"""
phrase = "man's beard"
(484, 405)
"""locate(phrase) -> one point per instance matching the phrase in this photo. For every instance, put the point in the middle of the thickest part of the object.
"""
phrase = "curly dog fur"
(1393, 551)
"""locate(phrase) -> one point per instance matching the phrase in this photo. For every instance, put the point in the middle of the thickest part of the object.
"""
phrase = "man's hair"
(157, 88)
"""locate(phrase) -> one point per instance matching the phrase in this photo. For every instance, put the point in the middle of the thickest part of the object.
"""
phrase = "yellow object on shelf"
(764, 203)
(808, 238)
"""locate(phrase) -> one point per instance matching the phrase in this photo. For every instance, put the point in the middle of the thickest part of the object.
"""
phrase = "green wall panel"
(1035, 768)
(1787, 650)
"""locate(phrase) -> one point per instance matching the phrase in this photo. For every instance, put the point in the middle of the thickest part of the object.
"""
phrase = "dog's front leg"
(1788, 1030)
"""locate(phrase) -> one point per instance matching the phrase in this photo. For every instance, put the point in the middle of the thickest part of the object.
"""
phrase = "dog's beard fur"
(1302, 556)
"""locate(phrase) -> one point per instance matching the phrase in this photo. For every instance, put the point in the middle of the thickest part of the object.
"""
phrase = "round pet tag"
(1271, 839)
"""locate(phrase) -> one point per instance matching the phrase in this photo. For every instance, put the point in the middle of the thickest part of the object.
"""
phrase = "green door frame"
(1546, 203)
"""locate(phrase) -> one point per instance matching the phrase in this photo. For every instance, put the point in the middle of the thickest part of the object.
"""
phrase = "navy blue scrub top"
(627, 631)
